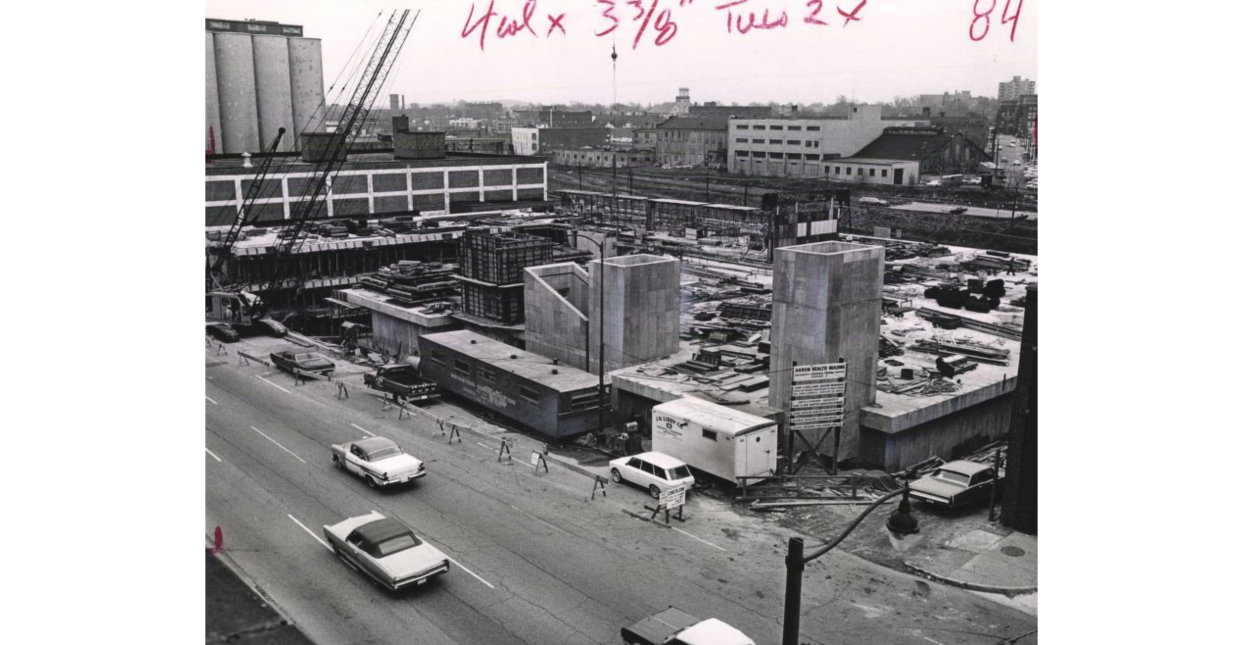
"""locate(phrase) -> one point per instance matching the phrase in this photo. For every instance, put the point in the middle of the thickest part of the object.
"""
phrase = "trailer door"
(758, 449)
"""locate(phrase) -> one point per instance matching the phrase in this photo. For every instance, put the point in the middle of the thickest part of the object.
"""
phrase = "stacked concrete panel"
(272, 89)
(556, 327)
(213, 97)
(239, 109)
(826, 300)
(642, 295)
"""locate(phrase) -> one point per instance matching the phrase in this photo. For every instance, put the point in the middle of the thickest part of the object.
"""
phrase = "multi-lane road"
(534, 559)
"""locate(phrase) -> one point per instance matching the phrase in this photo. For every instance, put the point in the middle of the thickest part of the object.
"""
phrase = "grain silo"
(211, 95)
(306, 76)
(273, 89)
(239, 113)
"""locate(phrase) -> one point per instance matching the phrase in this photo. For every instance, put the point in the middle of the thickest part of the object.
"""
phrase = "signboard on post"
(818, 399)
(673, 497)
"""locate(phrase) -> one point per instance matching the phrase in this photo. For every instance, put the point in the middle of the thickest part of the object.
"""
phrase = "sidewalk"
(959, 549)
(1004, 568)
(236, 614)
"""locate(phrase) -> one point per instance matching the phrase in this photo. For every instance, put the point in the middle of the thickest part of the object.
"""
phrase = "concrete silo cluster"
(261, 76)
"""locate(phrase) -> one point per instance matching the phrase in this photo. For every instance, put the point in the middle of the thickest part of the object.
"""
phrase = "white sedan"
(377, 460)
(385, 550)
(655, 471)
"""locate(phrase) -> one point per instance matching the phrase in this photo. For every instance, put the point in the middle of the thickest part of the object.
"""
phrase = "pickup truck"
(675, 627)
(402, 379)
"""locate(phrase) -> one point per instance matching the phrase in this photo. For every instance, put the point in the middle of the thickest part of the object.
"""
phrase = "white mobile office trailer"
(714, 438)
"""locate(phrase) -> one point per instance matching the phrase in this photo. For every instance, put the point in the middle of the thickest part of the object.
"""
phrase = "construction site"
(373, 253)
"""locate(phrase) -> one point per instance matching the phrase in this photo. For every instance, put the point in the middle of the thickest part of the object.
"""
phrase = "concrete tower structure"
(642, 297)
(239, 108)
(306, 81)
(273, 89)
(556, 327)
(213, 96)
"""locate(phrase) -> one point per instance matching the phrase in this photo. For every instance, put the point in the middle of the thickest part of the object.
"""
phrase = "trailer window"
(530, 395)
(709, 434)
(461, 366)
(487, 375)
(437, 357)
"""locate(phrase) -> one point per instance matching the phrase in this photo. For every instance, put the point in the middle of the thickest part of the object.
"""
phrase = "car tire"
(371, 482)
(336, 461)
(616, 476)
(655, 491)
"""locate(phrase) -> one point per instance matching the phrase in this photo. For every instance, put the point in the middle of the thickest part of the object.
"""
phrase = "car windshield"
(950, 476)
(680, 472)
(383, 453)
(396, 544)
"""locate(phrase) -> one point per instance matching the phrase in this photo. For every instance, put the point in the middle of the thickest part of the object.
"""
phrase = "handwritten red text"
(507, 27)
(978, 32)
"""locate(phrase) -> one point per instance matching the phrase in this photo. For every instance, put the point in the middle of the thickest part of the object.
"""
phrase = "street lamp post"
(602, 252)
(901, 526)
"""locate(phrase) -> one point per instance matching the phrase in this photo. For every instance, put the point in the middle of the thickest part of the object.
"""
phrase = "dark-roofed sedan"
(386, 551)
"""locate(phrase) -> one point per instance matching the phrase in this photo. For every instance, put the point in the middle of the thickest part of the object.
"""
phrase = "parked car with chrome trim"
(377, 460)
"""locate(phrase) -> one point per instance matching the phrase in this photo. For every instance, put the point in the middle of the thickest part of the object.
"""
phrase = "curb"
(971, 586)
(228, 562)
(563, 461)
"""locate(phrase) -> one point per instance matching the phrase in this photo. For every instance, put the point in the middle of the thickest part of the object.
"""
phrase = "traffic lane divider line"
(212, 454)
(362, 429)
(213, 401)
(463, 568)
(278, 445)
(535, 518)
(272, 384)
(697, 538)
(312, 532)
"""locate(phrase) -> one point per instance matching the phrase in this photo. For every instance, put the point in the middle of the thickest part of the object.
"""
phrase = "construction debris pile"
(857, 487)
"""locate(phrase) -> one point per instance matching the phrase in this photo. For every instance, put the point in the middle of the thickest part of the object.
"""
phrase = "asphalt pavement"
(535, 559)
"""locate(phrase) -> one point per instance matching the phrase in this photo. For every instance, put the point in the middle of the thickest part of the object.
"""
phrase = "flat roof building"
(537, 393)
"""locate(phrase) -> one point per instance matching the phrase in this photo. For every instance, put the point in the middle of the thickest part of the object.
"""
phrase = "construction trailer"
(715, 439)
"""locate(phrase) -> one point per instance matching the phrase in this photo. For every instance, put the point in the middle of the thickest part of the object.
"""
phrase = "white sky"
(901, 47)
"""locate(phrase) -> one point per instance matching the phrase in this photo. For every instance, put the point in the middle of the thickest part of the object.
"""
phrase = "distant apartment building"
(711, 108)
(947, 99)
(974, 126)
(464, 123)
(529, 141)
(1016, 117)
(550, 117)
(797, 147)
(699, 141)
(603, 158)
(1013, 89)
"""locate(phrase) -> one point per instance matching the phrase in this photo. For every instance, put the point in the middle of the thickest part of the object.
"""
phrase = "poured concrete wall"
(979, 423)
(826, 307)
(640, 317)
(556, 296)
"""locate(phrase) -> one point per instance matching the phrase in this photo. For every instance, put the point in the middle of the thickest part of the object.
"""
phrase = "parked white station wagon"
(655, 471)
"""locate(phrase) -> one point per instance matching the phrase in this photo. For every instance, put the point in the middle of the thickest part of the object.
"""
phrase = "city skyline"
(892, 51)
